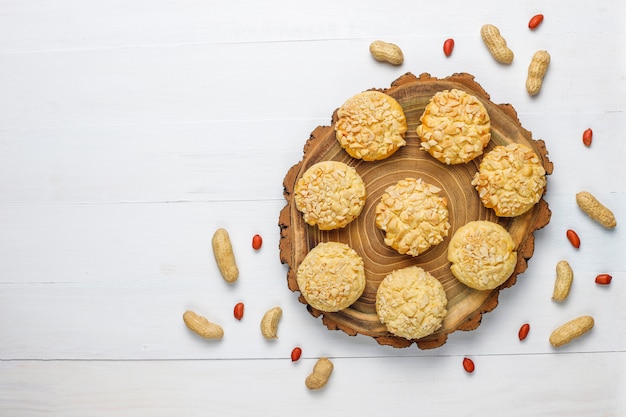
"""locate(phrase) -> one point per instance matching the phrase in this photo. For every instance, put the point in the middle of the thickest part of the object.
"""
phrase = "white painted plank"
(73, 24)
(537, 385)
(148, 241)
(144, 321)
(87, 288)
(181, 162)
(227, 82)
(122, 243)
(200, 161)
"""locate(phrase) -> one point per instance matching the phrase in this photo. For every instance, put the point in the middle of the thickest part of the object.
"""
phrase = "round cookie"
(413, 216)
(510, 180)
(455, 127)
(411, 303)
(371, 126)
(482, 255)
(331, 277)
(330, 194)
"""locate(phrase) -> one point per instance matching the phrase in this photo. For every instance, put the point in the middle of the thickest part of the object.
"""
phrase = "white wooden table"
(131, 130)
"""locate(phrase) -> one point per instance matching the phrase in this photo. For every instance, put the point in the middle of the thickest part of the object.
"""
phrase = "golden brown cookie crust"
(455, 127)
(413, 216)
(411, 303)
(482, 255)
(510, 180)
(331, 277)
(371, 126)
(330, 194)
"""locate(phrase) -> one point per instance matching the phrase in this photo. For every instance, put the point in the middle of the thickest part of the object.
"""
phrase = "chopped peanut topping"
(371, 126)
(411, 303)
(510, 179)
(482, 254)
(330, 194)
(455, 127)
(331, 277)
(413, 216)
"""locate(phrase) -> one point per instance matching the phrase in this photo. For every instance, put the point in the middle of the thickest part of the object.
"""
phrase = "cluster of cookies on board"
(454, 129)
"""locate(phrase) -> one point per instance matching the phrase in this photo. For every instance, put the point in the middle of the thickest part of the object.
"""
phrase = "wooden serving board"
(465, 305)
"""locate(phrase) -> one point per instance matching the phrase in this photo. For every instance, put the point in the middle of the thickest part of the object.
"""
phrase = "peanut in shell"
(596, 210)
(563, 281)
(571, 330)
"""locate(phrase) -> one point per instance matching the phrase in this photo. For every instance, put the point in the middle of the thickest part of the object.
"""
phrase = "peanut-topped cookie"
(482, 255)
(510, 179)
(455, 127)
(411, 303)
(413, 216)
(331, 277)
(371, 126)
(330, 194)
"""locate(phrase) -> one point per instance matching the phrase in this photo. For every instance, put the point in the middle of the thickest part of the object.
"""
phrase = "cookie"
(330, 194)
(455, 127)
(482, 255)
(331, 277)
(510, 180)
(371, 126)
(411, 303)
(413, 216)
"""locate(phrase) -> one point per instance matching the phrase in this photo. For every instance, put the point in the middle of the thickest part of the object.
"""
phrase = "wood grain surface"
(465, 305)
